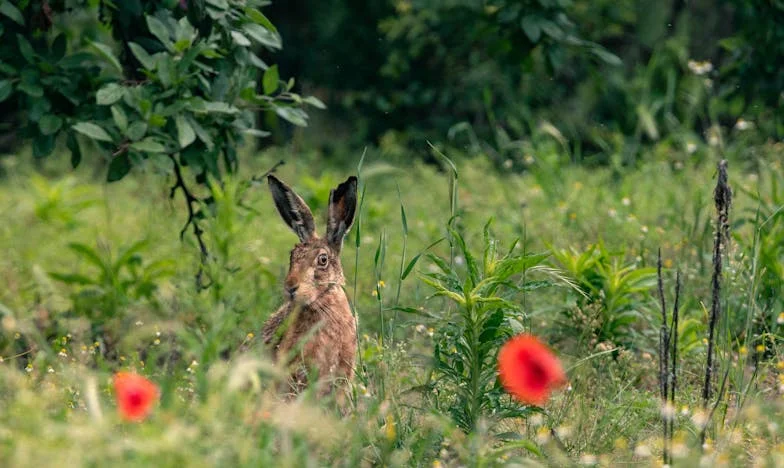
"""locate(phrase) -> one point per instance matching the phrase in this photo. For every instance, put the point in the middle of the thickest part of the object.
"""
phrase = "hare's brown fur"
(315, 330)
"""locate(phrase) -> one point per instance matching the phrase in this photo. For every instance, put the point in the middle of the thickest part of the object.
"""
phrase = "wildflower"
(382, 284)
(542, 435)
(135, 395)
(642, 451)
(644, 229)
(780, 365)
(700, 419)
(780, 318)
(536, 420)
(508, 164)
(626, 201)
(389, 430)
(529, 370)
(742, 351)
(742, 124)
(668, 411)
(700, 68)
(691, 147)
(612, 212)
(250, 335)
(760, 348)
(421, 329)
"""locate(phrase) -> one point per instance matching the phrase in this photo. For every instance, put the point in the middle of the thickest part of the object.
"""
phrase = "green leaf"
(201, 133)
(142, 56)
(136, 130)
(256, 132)
(530, 25)
(92, 130)
(263, 36)
(89, 255)
(240, 39)
(76, 151)
(6, 87)
(119, 118)
(149, 145)
(72, 278)
(315, 102)
(107, 53)
(43, 145)
(410, 266)
(258, 17)
(606, 56)
(50, 124)
(9, 10)
(185, 133)
(159, 30)
(31, 89)
(118, 168)
(271, 79)
(26, 49)
(109, 94)
(293, 115)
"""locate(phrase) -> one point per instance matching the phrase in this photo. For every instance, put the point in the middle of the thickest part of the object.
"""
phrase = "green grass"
(61, 342)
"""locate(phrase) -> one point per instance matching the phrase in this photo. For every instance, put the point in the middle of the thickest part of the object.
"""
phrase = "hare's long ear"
(292, 209)
(342, 205)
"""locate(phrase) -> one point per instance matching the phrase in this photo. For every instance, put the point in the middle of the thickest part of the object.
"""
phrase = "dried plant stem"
(674, 351)
(668, 362)
(664, 361)
(722, 197)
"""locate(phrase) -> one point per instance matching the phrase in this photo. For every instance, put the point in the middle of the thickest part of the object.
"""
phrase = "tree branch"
(192, 221)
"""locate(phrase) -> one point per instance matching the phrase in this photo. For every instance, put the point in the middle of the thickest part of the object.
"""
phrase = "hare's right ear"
(292, 209)
(342, 205)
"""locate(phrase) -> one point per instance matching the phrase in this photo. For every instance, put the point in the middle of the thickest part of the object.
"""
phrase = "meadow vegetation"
(97, 280)
(584, 172)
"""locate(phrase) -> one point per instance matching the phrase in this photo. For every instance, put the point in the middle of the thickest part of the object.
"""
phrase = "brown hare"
(314, 330)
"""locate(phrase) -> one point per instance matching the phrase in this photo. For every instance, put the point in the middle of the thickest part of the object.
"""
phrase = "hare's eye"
(323, 259)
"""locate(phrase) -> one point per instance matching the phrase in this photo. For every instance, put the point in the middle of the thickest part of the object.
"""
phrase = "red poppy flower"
(529, 370)
(135, 395)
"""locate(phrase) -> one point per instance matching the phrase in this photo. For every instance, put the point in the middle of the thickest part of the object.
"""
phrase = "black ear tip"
(272, 180)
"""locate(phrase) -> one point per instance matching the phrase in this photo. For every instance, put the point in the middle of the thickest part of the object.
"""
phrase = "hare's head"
(314, 266)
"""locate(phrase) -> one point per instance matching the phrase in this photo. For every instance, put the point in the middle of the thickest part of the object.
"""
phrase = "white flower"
(700, 68)
(691, 147)
(642, 451)
(742, 124)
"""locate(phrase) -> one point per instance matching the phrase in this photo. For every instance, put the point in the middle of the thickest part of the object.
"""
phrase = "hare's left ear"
(342, 205)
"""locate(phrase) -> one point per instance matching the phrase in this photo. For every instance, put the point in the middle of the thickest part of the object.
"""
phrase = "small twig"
(260, 178)
(192, 221)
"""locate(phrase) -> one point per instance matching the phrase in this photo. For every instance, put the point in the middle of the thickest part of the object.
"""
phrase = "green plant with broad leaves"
(482, 311)
(179, 84)
(611, 299)
(115, 281)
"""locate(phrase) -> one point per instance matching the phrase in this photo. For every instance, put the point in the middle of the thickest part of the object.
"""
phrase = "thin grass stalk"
(722, 197)
(357, 244)
(404, 224)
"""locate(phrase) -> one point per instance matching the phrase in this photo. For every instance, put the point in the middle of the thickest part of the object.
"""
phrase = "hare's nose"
(291, 290)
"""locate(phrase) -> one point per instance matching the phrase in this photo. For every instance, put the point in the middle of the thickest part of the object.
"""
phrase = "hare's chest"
(326, 343)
